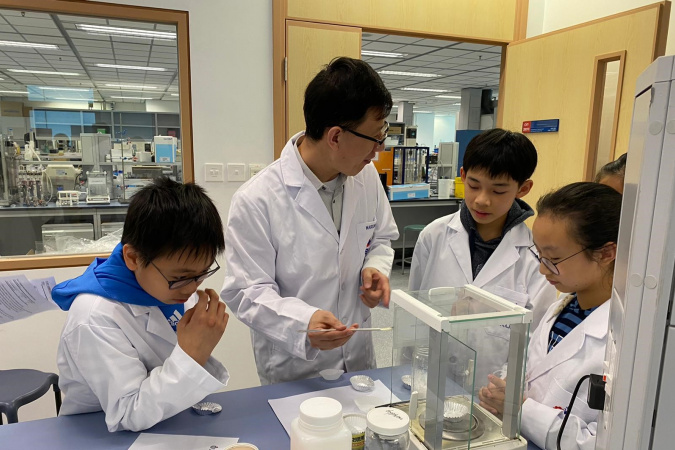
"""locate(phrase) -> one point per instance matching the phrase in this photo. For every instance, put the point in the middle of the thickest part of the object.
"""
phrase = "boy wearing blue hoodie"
(129, 347)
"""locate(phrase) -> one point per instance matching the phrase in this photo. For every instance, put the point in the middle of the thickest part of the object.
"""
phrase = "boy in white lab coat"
(308, 238)
(486, 242)
(129, 347)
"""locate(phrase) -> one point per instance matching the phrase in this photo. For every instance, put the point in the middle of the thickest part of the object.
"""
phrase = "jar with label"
(320, 426)
(387, 429)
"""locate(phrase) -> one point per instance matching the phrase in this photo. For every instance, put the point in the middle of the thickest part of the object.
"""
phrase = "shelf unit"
(67, 125)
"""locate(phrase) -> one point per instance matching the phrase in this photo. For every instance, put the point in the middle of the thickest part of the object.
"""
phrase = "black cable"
(569, 409)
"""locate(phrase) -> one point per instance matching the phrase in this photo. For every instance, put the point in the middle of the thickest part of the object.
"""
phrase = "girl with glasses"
(575, 237)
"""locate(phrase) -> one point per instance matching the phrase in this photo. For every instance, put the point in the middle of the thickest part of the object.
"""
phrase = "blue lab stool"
(417, 228)
(22, 386)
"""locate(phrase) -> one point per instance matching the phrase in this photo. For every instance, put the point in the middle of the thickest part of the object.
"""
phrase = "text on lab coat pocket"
(364, 235)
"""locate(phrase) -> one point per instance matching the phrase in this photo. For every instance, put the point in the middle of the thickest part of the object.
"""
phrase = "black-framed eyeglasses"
(384, 132)
(177, 284)
(550, 265)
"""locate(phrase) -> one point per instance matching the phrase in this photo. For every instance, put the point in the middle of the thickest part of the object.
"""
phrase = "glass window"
(77, 128)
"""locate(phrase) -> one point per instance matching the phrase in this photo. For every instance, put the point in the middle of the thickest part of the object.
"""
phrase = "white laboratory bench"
(21, 226)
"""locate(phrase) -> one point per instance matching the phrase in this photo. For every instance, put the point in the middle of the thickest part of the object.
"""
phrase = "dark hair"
(614, 168)
(591, 209)
(168, 218)
(501, 152)
(341, 95)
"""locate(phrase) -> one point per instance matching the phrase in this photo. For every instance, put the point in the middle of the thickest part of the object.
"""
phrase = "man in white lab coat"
(486, 242)
(308, 238)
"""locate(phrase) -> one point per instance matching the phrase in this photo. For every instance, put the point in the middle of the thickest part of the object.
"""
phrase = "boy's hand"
(328, 340)
(375, 288)
(200, 329)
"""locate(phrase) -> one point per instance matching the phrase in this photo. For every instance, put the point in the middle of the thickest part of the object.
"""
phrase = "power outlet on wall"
(253, 169)
(213, 172)
(236, 172)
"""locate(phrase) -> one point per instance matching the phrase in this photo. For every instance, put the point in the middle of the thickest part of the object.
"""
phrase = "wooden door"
(309, 47)
(554, 76)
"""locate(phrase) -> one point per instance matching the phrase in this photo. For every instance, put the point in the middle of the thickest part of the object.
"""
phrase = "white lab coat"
(285, 261)
(552, 377)
(124, 359)
(442, 258)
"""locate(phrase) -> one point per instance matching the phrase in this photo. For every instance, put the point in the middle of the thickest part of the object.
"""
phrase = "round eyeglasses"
(177, 284)
(383, 132)
(550, 265)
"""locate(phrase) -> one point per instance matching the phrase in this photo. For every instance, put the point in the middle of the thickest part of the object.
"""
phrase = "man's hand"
(200, 329)
(374, 288)
(328, 340)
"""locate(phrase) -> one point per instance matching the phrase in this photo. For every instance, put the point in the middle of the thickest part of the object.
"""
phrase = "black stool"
(22, 386)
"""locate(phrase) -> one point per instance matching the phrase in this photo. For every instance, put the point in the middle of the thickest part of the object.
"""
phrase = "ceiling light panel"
(132, 98)
(130, 86)
(409, 74)
(383, 54)
(423, 89)
(29, 45)
(125, 67)
(43, 72)
(125, 32)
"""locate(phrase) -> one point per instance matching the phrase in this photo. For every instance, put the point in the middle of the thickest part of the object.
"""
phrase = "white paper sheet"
(154, 441)
(45, 286)
(288, 408)
(20, 298)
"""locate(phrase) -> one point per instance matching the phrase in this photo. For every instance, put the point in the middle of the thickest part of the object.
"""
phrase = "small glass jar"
(420, 369)
(387, 429)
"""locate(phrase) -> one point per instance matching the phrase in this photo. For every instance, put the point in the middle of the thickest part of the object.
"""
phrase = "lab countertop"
(246, 414)
(52, 207)
(426, 202)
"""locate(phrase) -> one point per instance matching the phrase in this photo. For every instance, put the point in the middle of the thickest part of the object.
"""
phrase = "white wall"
(161, 106)
(444, 129)
(425, 129)
(545, 16)
(232, 122)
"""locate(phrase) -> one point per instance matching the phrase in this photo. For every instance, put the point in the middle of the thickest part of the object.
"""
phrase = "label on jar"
(359, 441)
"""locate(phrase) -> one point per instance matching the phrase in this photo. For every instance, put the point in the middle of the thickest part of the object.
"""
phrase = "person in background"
(486, 242)
(129, 347)
(575, 235)
(308, 239)
(612, 174)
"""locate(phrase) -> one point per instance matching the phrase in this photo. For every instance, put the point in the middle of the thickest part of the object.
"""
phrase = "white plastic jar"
(387, 429)
(320, 426)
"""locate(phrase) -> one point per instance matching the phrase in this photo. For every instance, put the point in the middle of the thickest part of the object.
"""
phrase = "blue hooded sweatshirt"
(111, 278)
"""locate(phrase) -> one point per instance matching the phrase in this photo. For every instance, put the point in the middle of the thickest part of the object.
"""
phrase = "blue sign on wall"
(541, 126)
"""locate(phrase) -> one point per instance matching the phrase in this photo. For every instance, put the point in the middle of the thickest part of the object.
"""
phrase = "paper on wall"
(155, 441)
(288, 408)
(21, 298)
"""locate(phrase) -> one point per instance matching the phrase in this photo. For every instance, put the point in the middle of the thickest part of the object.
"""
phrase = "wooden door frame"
(595, 114)
(280, 16)
(126, 12)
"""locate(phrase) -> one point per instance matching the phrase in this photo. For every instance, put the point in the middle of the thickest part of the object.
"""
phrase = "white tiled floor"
(382, 317)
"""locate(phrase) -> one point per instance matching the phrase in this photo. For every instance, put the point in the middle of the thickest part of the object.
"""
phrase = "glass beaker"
(420, 371)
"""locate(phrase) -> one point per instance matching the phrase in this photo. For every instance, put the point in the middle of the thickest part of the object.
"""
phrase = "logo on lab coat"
(175, 318)
(368, 245)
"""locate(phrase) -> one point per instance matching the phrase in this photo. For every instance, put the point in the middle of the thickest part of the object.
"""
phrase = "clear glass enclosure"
(446, 341)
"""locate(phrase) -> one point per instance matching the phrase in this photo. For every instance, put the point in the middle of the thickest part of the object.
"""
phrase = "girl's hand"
(492, 396)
